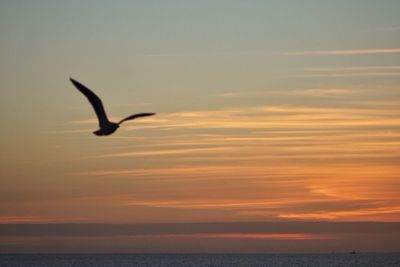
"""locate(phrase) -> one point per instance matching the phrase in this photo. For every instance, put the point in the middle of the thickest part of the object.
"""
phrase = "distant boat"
(352, 252)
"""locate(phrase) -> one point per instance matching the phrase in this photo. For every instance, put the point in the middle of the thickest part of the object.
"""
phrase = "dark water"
(270, 260)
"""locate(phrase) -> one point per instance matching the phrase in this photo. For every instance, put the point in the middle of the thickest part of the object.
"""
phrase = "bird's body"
(107, 127)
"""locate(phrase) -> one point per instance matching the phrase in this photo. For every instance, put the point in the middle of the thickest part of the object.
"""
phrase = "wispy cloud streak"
(354, 68)
(354, 74)
(349, 52)
(271, 162)
(388, 29)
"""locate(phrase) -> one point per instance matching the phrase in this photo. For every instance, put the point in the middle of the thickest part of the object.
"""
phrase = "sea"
(217, 260)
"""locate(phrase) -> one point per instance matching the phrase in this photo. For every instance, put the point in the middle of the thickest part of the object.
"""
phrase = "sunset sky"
(267, 112)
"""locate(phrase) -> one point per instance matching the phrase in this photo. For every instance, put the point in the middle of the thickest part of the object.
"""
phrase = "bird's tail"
(135, 116)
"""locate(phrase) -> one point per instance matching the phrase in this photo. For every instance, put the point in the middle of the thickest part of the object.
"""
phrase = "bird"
(107, 127)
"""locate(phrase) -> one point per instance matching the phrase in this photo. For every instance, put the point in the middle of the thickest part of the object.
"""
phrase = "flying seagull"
(106, 127)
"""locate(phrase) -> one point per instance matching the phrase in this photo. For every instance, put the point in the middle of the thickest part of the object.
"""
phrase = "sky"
(268, 112)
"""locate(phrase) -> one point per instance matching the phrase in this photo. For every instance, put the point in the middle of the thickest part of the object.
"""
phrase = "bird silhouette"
(107, 127)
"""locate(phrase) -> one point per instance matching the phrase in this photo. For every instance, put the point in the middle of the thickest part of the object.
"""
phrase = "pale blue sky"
(173, 47)
(161, 51)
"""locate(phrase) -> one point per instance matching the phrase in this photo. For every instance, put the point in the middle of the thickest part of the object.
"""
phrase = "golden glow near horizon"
(260, 116)
(248, 163)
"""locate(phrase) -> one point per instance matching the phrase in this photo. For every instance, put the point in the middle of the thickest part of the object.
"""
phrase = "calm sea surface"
(309, 260)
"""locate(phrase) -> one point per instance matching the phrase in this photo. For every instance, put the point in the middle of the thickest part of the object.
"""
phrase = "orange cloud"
(258, 162)
(353, 215)
(254, 236)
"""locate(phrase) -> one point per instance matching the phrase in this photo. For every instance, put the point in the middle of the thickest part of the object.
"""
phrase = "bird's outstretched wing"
(136, 116)
(94, 100)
